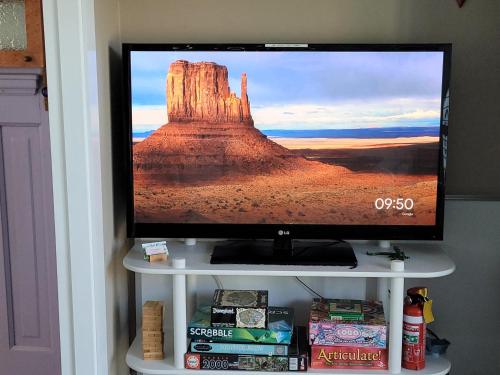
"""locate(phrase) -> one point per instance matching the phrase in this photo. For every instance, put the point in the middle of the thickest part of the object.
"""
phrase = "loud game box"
(239, 308)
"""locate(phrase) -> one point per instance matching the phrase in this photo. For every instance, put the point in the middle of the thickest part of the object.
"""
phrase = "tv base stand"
(326, 253)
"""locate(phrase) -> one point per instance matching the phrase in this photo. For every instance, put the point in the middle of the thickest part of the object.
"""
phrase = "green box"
(279, 329)
(345, 309)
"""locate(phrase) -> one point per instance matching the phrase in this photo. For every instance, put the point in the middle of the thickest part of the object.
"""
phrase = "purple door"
(29, 324)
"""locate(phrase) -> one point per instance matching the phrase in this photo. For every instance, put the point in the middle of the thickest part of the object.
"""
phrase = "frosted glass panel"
(12, 25)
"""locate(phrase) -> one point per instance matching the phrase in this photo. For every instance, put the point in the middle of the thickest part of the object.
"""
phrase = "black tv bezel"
(296, 231)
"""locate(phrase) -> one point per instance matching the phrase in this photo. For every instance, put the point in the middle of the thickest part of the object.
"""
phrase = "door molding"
(76, 169)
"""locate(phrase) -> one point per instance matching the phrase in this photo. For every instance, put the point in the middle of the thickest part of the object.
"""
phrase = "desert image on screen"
(286, 137)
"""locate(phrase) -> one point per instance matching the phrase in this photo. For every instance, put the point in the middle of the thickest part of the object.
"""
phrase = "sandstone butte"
(200, 92)
(210, 133)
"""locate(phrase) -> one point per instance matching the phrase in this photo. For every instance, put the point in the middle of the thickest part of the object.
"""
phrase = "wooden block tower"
(152, 330)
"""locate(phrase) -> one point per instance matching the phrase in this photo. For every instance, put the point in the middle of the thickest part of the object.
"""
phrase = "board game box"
(238, 348)
(348, 357)
(370, 332)
(345, 309)
(239, 308)
(296, 360)
(240, 298)
(279, 328)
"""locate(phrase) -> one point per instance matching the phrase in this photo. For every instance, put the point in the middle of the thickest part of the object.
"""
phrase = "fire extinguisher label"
(413, 319)
(411, 337)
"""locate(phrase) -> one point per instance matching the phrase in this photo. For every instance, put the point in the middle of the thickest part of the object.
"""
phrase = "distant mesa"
(210, 133)
(200, 92)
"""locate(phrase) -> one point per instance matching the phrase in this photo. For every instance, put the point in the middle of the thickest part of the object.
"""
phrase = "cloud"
(353, 114)
(148, 117)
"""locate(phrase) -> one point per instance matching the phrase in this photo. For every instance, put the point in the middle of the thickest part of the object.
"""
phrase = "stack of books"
(239, 331)
(343, 339)
(152, 330)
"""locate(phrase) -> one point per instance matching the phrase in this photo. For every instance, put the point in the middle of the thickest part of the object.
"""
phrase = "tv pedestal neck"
(284, 251)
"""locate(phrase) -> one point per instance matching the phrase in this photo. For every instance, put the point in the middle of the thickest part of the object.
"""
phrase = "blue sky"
(303, 90)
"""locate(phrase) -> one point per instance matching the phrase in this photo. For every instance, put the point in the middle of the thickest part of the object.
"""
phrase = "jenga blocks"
(152, 330)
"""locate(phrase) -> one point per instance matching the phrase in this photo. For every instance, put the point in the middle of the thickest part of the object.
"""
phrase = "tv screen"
(322, 140)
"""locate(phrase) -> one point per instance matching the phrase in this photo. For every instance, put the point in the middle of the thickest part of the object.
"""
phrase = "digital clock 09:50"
(398, 203)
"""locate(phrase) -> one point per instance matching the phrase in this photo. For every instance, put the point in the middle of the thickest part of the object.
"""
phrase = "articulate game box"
(239, 308)
(296, 360)
(279, 328)
(348, 357)
(370, 332)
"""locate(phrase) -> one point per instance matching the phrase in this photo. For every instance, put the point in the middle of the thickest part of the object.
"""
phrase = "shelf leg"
(396, 318)
(180, 324)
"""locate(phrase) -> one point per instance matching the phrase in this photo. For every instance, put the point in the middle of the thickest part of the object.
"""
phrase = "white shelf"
(426, 261)
(434, 366)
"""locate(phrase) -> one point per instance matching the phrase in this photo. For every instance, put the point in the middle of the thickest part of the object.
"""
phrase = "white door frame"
(76, 169)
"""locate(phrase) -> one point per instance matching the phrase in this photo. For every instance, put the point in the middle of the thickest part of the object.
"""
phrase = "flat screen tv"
(302, 141)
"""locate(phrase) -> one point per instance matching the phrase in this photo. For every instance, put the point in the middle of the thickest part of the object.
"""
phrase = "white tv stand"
(426, 261)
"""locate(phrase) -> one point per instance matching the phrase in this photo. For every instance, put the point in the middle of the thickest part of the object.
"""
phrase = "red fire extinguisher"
(417, 312)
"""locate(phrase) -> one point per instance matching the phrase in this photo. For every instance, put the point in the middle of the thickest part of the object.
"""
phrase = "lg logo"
(283, 232)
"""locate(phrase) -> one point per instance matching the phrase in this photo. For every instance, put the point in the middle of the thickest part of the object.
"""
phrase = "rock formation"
(210, 133)
(200, 92)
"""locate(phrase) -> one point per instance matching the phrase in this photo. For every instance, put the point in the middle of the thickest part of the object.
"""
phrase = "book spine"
(228, 348)
(232, 362)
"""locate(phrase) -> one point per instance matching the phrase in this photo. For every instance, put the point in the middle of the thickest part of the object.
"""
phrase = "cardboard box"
(238, 348)
(342, 357)
(370, 332)
(241, 317)
(279, 329)
(296, 360)
(346, 309)
(240, 298)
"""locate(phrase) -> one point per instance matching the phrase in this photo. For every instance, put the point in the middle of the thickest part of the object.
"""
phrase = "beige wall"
(473, 30)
